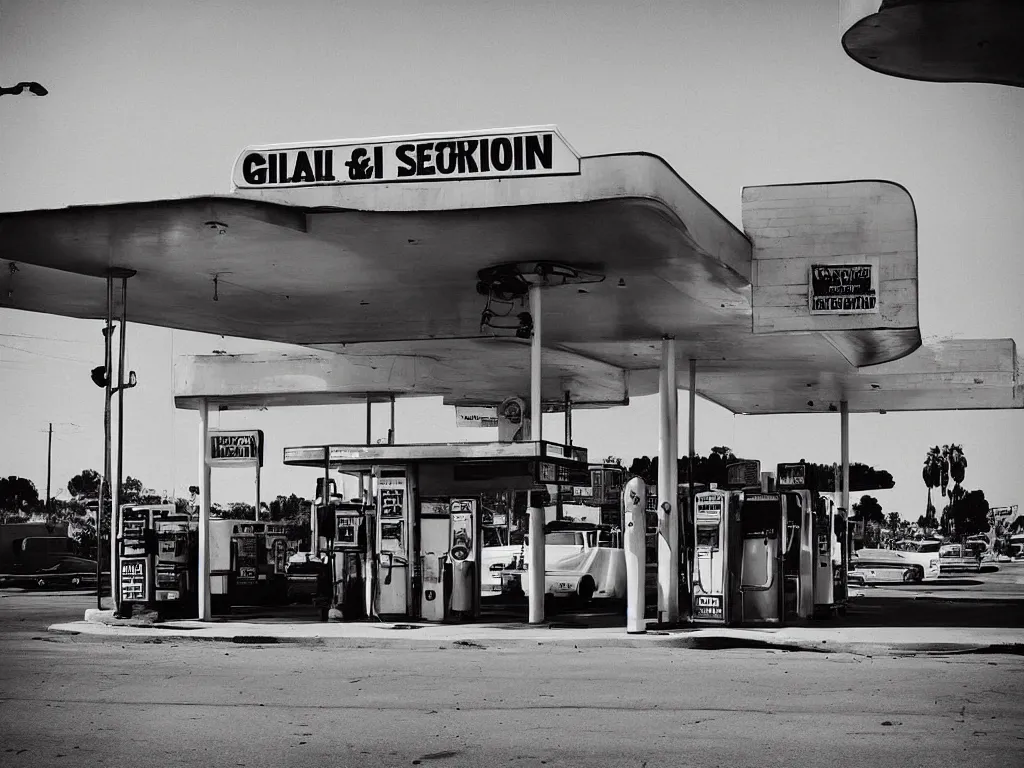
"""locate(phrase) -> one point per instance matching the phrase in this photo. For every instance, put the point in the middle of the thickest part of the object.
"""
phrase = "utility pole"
(49, 455)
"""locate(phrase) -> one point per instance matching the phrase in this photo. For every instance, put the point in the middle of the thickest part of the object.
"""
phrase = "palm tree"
(953, 455)
(934, 468)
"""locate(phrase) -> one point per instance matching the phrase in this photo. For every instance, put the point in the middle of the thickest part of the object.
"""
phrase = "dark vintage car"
(68, 572)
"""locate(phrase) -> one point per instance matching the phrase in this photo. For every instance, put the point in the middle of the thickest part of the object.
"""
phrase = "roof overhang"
(977, 41)
(381, 279)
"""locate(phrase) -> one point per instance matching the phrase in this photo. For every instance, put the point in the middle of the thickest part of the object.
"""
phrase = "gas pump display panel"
(135, 580)
(245, 559)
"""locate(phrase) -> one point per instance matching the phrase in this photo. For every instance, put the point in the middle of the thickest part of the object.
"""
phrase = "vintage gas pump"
(350, 560)
(830, 531)
(801, 496)
(435, 535)
(392, 577)
(177, 556)
(464, 559)
(762, 522)
(137, 547)
(714, 537)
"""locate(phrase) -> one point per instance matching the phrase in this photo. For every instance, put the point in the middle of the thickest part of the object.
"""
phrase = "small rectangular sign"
(743, 474)
(843, 289)
(476, 416)
(134, 581)
(708, 607)
(502, 153)
(235, 448)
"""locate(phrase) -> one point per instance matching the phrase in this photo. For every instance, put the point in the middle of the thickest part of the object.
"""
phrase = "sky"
(154, 100)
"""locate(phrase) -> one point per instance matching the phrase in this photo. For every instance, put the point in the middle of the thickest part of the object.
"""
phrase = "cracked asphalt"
(64, 702)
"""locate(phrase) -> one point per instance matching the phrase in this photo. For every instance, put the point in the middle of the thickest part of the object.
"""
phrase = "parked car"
(584, 561)
(877, 566)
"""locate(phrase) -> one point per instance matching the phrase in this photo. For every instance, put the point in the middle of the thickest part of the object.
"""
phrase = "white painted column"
(537, 566)
(536, 411)
(844, 440)
(692, 454)
(205, 612)
(634, 542)
(668, 489)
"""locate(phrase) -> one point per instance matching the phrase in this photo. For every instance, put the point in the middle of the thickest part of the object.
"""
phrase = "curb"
(156, 635)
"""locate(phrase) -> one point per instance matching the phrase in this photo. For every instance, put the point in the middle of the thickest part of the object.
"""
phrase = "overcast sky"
(153, 100)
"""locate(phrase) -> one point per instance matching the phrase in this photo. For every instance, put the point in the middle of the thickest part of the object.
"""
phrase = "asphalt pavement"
(167, 702)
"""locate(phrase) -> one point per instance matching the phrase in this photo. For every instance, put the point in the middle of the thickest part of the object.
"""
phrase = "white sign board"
(476, 415)
(538, 151)
(234, 448)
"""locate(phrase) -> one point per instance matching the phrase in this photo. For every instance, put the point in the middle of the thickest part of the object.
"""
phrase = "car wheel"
(586, 590)
(912, 576)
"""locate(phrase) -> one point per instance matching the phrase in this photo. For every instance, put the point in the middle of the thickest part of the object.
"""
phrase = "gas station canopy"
(394, 261)
(977, 41)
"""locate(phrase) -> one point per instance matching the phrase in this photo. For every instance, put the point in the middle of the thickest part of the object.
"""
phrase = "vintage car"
(584, 561)
(870, 566)
(955, 558)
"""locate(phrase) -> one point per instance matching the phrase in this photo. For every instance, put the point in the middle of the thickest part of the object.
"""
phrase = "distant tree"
(611, 460)
(241, 511)
(894, 523)
(18, 496)
(869, 510)
(969, 514)
(86, 484)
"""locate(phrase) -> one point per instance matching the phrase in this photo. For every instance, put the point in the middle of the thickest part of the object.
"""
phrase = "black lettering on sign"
(254, 169)
(467, 160)
(538, 150)
(501, 154)
(445, 157)
(425, 160)
(272, 168)
(485, 159)
(407, 165)
(303, 170)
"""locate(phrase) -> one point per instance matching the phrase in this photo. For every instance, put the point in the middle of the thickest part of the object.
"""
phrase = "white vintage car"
(582, 560)
(882, 565)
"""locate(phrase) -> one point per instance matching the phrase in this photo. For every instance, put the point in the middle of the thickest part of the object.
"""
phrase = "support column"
(844, 441)
(691, 452)
(369, 419)
(105, 482)
(536, 570)
(391, 432)
(537, 567)
(205, 612)
(115, 508)
(568, 417)
(668, 489)
(536, 411)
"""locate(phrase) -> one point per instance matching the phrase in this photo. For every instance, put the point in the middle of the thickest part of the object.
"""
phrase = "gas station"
(500, 270)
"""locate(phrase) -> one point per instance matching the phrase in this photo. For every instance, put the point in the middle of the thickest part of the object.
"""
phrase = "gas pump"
(762, 521)
(392, 575)
(158, 553)
(177, 557)
(830, 532)
(137, 546)
(715, 548)
(350, 560)
(464, 560)
(798, 558)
